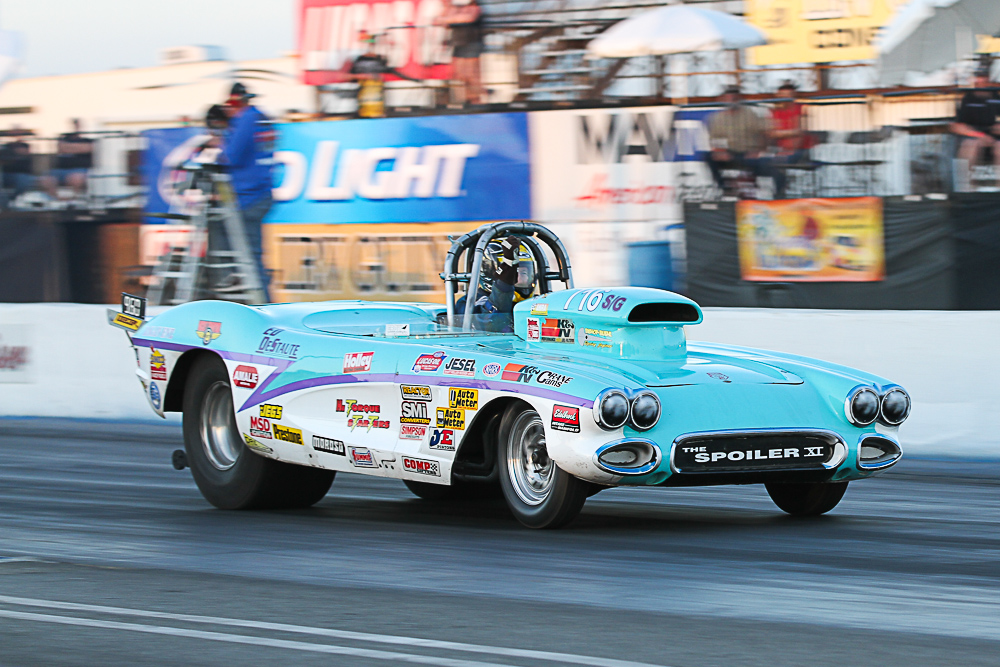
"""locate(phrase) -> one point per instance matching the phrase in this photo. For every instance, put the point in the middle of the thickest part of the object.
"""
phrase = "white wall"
(949, 362)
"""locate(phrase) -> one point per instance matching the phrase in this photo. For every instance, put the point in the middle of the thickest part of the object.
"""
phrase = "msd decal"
(246, 377)
(421, 467)
(157, 365)
(260, 427)
(566, 418)
(429, 363)
(443, 439)
(358, 362)
(208, 331)
(518, 373)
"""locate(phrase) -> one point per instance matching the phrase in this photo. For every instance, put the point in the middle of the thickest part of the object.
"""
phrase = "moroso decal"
(518, 373)
(208, 331)
(157, 365)
(455, 366)
(246, 377)
(271, 411)
(443, 439)
(358, 362)
(257, 446)
(491, 370)
(414, 412)
(453, 418)
(412, 431)
(558, 331)
(287, 434)
(260, 427)
(421, 467)
(415, 392)
(429, 363)
(361, 457)
(463, 398)
(566, 418)
(328, 445)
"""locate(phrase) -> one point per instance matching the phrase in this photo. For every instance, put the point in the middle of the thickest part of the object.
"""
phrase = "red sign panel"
(330, 34)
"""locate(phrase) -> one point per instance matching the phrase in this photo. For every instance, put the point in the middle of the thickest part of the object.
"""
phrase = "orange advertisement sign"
(811, 240)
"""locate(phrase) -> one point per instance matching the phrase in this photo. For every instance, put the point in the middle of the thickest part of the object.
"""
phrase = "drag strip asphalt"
(109, 556)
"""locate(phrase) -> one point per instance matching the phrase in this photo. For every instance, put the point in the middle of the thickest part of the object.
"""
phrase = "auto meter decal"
(443, 439)
(271, 411)
(328, 445)
(208, 331)
(287, 433)
(491, 370)
(157, 365)
(453, 418)
(358, 362)
(566, 418)
(534, 329)
(361, 457)
(421, 467)
(412, 431)
(558, 331)
(246, 377)
(429, 363)
(415, 392)
(456, 366)
(463, 398)
(414, 412)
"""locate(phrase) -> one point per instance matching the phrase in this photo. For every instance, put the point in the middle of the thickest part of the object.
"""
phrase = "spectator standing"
(247, 151)
(465, 18)
(18, 172)
(73, 162)
(739, 138)
(976, 123)
(368, 70)
(789, 133)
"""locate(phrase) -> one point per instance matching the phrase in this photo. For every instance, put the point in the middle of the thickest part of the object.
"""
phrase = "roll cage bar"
(477, 240)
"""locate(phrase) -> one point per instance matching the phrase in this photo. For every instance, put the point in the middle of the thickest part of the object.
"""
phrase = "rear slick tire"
(808, 499)
(538, 492)
(228, 474)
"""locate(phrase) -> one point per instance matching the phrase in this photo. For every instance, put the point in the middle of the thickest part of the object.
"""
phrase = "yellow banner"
(811, 240)
(818, 31)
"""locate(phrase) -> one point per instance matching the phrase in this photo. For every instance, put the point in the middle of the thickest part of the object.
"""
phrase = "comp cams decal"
(566, 418)
(421, 467)
(328, 445)
(358, 362)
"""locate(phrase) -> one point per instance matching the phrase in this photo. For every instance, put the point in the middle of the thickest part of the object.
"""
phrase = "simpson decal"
(451, 418)
(463, 398)
(246, 377)
(287, 434)
(157, 365)
(429, 363)
(414, 412)
(362, 458)
(466, 367)
(271, 411)
(421, 467)
(443, 439)
(415, 392)
(566, 418)
(358, 362)
(208, 331)
(328, 445)
(558, 331)
(412, 431)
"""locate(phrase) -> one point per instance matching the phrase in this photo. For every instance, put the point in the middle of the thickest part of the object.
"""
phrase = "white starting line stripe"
(590, 661)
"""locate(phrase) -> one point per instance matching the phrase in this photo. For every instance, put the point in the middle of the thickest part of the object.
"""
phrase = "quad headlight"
(862, 406)
(894, 407)
(613, 409)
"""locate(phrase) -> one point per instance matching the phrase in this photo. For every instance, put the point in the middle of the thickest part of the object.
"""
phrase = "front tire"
(537, 491)
(227, 473)
(809, 499)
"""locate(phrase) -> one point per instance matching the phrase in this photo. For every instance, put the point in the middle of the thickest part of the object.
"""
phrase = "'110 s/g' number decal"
(594, 299)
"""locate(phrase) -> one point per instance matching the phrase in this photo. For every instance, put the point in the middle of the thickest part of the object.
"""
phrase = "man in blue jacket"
(247, 151)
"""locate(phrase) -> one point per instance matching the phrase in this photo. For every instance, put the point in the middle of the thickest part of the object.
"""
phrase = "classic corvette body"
(593, 388)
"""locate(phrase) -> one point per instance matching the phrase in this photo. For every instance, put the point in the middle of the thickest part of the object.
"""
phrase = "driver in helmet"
(507, 276)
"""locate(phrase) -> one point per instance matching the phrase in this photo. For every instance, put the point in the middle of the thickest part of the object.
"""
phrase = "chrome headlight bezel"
(849, 405)
(882, 419)
(599, 405)
(631, 409)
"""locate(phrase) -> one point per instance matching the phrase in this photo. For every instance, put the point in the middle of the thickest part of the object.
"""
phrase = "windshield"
(411, 330)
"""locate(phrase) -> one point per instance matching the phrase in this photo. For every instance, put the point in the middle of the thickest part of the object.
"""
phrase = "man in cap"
(247, 152)
(977, 123)
(739, 138)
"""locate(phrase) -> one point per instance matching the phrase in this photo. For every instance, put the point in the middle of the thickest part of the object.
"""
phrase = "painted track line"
(571, 658)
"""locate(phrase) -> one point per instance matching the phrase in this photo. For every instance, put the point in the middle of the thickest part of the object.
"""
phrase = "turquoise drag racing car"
(591, 389)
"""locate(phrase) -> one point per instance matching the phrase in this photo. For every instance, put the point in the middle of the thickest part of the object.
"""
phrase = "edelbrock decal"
(566, 418)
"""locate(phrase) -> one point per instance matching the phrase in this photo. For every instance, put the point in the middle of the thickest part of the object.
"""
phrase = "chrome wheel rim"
(219, 436)
(529, 467)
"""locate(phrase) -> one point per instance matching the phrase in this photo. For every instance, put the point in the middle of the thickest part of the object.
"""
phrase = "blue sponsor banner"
(426, 169)
(164, 148)
(686, 144)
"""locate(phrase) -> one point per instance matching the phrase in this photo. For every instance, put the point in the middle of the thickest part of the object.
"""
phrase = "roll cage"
(472, 246)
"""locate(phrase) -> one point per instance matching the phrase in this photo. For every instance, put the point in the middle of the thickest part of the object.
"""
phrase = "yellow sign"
(818, 31)
(467, 399)
(287, 433)
(127, 322)
(271, 411)
(811, 240)
(451, 418)
(987, 44)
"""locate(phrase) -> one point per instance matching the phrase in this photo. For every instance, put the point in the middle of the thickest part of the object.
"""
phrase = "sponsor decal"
(518, 373)
(552, 379)
(133, 306)
(358, 362)
(329, 445)
(453, 418)
(287, 433)
(271, 411)
(361, 457)
(157, 365)
(596, 338)
(491, 370)
(257, 446)
(429, 363)
(467, 399)
(534, 329)
(703, 456)
(367, 422)
(594, 299)
(540, 309)
(421, 467)
(246, 377)
(443, 439)
(208, 331)
(558, 331)
(260, 427)
(361, 414)
(128, 322)
(150, 331)
(351, 405)
(154, 395)
(397, 330)
(415, 392)
(566, 418)
(412, 431)
(414, 412)
(273, 345)
(455, 366)
(719, 376)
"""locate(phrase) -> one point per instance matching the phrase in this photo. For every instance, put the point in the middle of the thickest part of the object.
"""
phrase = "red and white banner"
(330, 33)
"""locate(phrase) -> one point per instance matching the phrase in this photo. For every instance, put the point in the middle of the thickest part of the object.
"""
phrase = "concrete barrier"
(70, 363)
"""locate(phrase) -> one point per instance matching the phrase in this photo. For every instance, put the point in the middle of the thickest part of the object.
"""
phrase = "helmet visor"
(525, 275)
